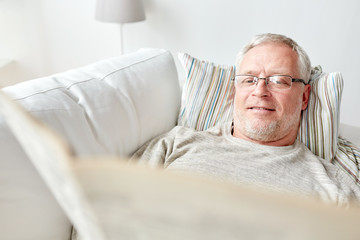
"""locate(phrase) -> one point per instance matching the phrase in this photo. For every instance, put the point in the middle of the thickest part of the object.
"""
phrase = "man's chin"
(263, 131)
(262, 126)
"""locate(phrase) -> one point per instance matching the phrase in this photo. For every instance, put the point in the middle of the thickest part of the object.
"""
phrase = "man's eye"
(248, 80)
(281, 80)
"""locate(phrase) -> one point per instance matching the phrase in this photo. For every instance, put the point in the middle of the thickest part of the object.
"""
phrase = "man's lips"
(261, 108)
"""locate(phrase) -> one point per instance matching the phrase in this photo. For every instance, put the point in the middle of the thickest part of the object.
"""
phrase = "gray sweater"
(216, 152)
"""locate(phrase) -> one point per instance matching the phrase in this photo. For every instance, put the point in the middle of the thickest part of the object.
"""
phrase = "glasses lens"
(245, 81)
(276, 82)
(279, 82)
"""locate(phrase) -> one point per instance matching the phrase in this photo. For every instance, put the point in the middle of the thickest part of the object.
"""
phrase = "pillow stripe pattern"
(320, 121)
(208, 93)
(348, 158)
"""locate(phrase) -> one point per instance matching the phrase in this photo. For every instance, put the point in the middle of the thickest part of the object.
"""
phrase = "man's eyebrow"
(250, 72)
(272, 73)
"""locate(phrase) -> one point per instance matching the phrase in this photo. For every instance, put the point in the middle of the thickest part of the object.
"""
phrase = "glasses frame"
(266, 79)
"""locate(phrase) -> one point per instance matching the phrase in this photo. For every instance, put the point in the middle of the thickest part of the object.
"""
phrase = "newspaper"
(107, 198)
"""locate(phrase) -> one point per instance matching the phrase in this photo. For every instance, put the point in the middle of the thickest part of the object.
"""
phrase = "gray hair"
(303, 60)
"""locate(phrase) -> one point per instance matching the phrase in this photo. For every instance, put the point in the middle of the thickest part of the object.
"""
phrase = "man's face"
(269, 117)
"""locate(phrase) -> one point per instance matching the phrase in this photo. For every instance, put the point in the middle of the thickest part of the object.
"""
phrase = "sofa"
(110, 107)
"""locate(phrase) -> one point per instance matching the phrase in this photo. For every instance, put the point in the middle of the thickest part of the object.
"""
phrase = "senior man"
(259, 146)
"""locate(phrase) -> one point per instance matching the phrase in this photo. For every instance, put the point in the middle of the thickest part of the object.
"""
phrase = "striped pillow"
(208, 93)
(319, 127)
(348, 158)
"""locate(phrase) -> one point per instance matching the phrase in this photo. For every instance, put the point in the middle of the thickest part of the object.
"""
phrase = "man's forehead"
(273, 58)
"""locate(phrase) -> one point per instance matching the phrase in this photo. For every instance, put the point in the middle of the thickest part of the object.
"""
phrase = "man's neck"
(287, 140)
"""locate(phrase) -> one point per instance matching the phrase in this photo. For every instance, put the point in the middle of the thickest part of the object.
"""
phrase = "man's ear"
(306, 95)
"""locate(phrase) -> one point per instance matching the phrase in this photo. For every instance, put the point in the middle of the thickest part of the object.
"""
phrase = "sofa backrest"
(351, 133)
(110, 107)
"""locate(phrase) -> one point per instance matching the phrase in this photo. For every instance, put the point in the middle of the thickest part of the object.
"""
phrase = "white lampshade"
(119, 11)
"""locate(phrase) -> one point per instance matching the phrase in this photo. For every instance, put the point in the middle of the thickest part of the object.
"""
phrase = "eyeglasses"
(276, 82)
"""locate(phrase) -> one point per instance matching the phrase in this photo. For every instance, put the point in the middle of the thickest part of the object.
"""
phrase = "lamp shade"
(119, 11)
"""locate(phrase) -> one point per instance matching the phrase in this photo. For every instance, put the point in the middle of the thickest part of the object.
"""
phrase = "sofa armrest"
(110, 107)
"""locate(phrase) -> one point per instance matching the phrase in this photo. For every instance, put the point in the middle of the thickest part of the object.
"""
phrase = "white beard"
(262, 133)
(270, 131)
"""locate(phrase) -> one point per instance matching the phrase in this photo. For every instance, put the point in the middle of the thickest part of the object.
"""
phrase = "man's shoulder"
(187, 132)
(334, 170)
(181, 130)
(218, 129)
(309, 153)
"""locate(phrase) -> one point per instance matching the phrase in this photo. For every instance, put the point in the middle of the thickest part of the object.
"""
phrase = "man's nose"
(261, 89)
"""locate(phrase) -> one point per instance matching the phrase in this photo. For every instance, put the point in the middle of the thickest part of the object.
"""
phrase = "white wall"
(48, 36)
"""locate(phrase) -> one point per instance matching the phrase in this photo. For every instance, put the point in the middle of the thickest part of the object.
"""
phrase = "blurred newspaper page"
(106, 198)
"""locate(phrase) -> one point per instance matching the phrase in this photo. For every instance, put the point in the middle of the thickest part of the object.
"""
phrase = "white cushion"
(110, 108)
